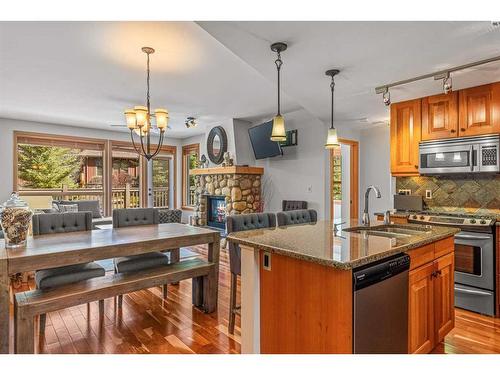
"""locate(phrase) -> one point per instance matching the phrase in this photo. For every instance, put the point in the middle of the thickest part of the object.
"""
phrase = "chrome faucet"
(366, 216)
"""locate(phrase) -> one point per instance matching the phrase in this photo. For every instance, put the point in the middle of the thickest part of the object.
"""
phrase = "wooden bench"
(27, 305)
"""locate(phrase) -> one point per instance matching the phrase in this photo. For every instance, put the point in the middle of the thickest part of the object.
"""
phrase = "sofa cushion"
(84, 205)
(54, 277)
(140, 262)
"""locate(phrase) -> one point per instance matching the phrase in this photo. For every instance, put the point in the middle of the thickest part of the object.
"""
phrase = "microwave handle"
(472, 161)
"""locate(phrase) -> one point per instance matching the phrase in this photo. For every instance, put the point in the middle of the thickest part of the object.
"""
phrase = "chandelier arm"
(144, 153)
(160, 143)
(133, 143)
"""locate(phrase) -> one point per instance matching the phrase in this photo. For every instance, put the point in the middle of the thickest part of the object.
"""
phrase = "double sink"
(390, 231)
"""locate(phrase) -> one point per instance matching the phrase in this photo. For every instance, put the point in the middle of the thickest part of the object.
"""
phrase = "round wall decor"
(216, 144)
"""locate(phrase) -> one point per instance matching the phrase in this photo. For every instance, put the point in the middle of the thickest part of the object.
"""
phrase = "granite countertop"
(316, 243)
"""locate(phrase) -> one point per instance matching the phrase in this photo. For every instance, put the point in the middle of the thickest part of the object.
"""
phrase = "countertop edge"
(350, 264)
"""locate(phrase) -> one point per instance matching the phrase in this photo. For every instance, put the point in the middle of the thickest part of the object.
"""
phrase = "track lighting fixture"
(386, 96)
(447, 82)
(191, 122)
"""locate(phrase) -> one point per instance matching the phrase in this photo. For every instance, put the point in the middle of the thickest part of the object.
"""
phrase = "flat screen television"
(263, 147)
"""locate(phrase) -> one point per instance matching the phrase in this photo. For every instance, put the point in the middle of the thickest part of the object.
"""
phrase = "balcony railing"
(127, 197)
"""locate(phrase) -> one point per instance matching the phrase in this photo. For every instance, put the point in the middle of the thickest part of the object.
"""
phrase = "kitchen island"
(297, 293)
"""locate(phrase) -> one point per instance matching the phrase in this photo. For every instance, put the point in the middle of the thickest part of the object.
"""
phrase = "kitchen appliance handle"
(471, 156)
(472, 237)
(475, 292)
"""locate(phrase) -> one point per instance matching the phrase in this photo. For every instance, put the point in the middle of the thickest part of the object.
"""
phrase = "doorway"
(344, 169)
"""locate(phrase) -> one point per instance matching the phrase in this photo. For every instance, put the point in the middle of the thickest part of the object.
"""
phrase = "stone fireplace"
(223, 191)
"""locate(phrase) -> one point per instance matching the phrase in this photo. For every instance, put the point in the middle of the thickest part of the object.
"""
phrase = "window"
(64, 168)
(190, 156)
(75, 168)
(337, 173)
(125, 176)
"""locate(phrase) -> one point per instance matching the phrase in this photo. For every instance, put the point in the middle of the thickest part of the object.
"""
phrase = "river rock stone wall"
(242, 193)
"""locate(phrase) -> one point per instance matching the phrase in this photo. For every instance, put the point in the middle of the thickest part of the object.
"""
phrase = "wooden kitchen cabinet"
(479, 110)
(431, 303)
(421, 309)
(405, 136)
(440, 116)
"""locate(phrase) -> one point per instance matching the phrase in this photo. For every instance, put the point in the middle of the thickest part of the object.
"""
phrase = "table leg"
(25, 334)
(4, 304)
(197, 295)
(211, 281)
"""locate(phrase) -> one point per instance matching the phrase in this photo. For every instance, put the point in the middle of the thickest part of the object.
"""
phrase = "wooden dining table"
(63, 249)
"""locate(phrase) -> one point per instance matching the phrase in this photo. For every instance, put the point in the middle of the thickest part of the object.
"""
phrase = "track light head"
(447, 84)
(386, 97)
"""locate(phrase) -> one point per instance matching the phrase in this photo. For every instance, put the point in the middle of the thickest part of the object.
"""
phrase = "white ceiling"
(369, 54)
(87, 73)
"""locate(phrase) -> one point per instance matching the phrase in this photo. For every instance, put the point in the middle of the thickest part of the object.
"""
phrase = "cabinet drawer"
(444, 247)
(421, 256)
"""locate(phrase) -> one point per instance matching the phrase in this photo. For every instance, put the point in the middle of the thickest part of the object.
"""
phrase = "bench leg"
(43, 321)
(232, 303)
(197, 291)
(101, 309)
(210, 292)
(120, 301)
(175, 256)
(25, 334)
(165, 291)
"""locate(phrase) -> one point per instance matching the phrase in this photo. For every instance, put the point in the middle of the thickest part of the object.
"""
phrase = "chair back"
(296, 217)
(128, 217)
(238, 223)
(294, 205)
(168, 215)
(61, 222)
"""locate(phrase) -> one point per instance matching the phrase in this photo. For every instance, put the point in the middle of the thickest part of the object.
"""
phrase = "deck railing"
(127, 197)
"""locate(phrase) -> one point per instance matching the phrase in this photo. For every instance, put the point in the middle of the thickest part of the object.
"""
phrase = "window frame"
(186, 151)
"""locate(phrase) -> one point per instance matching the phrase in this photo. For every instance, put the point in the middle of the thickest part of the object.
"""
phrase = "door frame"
(354, 178)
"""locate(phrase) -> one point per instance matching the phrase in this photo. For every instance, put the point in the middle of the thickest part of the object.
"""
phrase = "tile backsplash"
(458, 193)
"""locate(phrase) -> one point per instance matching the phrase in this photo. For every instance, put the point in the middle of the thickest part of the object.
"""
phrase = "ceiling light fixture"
(139, 120)
(386, 97)
(278, 133)
(191, 122)
(442, 74)
(332, 139)
(447, 82)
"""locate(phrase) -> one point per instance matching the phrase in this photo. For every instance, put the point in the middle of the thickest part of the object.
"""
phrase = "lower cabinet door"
(421, 332)
(444, 311)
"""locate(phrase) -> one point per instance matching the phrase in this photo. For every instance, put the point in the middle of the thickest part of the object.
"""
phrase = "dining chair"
(127, 217)
(293, 205)
(296, 217)
(237, 223)
(59, 276)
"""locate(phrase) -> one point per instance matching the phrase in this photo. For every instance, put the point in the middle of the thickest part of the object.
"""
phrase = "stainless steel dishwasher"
(380, 305)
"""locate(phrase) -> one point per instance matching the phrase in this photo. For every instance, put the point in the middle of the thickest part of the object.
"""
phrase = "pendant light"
(279, 133)
(332, 138)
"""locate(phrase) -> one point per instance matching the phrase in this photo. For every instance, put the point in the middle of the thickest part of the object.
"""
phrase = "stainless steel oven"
(460, 155)
(474, 272)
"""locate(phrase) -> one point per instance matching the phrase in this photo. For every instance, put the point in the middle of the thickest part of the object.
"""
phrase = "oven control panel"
(452, 220)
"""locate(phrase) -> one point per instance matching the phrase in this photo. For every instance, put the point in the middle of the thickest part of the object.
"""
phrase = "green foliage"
(160, 172)
(47, 167)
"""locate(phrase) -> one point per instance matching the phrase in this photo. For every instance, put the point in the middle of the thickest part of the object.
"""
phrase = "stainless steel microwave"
(460, 155)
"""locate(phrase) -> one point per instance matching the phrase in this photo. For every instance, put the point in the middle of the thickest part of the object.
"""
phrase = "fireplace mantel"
(235, 169)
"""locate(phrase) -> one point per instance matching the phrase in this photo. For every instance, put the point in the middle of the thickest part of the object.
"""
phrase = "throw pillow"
(68, 208)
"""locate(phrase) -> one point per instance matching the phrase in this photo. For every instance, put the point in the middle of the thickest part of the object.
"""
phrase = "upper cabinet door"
(479, 110)
(405, 136)
(440, 116)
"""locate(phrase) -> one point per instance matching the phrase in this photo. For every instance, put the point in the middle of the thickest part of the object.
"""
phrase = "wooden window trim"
(186, 150)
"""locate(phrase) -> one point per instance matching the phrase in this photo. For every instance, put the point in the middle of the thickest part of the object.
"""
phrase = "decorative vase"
(15, 221)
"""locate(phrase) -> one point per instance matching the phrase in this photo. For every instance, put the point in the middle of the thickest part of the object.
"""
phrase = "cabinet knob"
(416, 166)
(462, 129)
(453, 131)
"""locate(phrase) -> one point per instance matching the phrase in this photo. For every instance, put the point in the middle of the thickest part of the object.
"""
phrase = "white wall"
(375, 161)
(7, 127)
(301, 173)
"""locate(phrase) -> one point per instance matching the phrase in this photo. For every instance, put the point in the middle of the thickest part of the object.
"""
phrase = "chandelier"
(139, 121)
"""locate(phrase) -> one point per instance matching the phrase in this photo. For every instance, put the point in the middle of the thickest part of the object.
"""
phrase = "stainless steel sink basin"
(388, 231)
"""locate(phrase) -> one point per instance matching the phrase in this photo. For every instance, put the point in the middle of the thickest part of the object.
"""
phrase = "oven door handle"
(476, 292)
(470, 237)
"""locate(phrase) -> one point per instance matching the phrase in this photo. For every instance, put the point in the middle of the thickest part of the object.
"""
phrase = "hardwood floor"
(147, 324)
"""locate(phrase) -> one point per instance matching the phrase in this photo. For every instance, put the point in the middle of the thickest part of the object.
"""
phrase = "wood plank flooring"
(147, 324)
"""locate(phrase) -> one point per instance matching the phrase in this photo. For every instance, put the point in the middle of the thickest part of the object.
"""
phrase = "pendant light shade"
(332, 139)
(279, 132)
